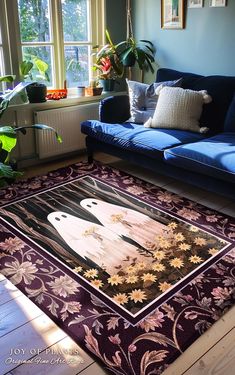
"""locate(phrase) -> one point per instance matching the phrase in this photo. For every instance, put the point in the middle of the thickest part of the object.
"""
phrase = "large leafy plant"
(140, 52)
(8, 134)
(34, 69)
(107, 61)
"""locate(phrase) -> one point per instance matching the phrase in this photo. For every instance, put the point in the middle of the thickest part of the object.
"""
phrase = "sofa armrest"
(115, 109)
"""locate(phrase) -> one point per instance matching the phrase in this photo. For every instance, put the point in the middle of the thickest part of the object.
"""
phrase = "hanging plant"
(141, 52)
(131, 51)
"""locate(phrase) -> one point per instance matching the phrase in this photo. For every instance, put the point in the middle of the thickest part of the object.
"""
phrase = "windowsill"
(69, 101)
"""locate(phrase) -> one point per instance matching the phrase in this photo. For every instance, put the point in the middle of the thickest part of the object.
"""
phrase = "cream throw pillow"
(178, 108)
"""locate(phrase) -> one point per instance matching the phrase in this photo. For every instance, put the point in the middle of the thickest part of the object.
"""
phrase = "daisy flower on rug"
(91, 273)
(172, 225)
(141, 266)
(179, 237)
(200, 241)
(164, 286)
(120, 298)
(148, 277)
(131, 269)
(184, 246)
(159, 255)
(158, 267)
(132, 279)
(115, 280)
(97, 283)
(213, 251)
(176, 263)
(137, 295)
(195, 259)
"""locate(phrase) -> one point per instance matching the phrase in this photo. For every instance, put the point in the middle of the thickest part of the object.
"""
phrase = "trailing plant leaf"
(21, 86)
(46, 127)
(8, 78)
(8, 134)
(25, 68)
(7, 143)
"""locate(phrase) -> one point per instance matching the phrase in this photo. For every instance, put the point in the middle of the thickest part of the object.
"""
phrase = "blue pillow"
(229, 124)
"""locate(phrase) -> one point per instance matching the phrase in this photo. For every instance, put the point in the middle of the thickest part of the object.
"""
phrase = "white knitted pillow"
(179, 109)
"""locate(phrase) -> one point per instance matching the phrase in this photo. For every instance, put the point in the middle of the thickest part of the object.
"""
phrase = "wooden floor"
(25, 327)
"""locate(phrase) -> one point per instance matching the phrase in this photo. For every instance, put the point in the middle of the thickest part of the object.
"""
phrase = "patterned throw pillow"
(178, 108)
(143, 99)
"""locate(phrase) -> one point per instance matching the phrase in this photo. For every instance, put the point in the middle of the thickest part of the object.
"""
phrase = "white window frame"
(11, 33)
(6, 67)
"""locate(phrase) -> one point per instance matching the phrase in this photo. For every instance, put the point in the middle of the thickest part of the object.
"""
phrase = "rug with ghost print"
(106, 254)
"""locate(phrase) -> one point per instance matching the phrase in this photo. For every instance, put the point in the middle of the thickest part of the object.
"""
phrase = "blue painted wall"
(116, 19)
(206, 45)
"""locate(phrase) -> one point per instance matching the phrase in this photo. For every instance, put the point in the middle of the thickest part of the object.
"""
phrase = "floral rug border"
(160, 338)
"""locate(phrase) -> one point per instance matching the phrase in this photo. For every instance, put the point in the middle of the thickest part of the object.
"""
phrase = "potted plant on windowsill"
(108, 64)
(35, 69)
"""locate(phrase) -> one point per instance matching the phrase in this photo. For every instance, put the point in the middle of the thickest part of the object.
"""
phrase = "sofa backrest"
(221, 89)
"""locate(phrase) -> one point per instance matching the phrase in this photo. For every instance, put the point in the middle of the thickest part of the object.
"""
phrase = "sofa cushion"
(143, 99)
(229, 125)
(221, 89)
(151, 142)
(214, 156)
(179, 108)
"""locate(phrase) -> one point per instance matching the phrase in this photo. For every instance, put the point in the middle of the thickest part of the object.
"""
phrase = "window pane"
(75, 20)
(77, 65)
(34, 20)
(2, 84)
(44, 54)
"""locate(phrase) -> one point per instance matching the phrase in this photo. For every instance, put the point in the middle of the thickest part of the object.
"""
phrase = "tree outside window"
(67, 53)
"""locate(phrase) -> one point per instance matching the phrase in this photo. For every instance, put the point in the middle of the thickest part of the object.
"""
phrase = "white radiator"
(67, 122)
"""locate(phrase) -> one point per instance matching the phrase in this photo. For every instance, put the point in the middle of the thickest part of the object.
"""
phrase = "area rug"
(133, 273)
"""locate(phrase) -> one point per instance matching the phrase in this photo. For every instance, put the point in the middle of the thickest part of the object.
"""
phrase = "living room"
(162, 300)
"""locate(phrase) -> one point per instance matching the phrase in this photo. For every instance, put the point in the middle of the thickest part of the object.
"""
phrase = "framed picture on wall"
(217, 3)
(172, 14)
(195, 3)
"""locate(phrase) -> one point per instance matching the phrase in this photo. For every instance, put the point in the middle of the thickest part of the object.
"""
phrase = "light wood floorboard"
(29, 328)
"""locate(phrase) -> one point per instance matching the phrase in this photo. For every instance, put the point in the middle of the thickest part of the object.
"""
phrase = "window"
(1, 56)
(59, 32)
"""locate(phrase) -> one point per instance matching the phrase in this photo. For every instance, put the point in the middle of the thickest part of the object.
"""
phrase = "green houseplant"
(107, 63)
(140, 52)
(8, 134)
(35, 69)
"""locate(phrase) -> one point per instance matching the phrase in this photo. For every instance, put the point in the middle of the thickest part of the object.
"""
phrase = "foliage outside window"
(59, 32)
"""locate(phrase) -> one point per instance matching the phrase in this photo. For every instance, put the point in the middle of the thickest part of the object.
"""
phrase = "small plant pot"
(81, 90)
(93, 91)
(37, 92)
(107, 84)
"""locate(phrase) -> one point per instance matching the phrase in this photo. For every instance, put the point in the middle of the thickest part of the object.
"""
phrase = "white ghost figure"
(93, 241)
(126, 222)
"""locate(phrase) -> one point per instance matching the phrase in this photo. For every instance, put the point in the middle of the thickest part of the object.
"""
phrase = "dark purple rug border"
(127, 336)
(133, 320)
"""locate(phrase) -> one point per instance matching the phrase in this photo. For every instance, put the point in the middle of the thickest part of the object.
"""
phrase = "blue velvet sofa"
(205, 160)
